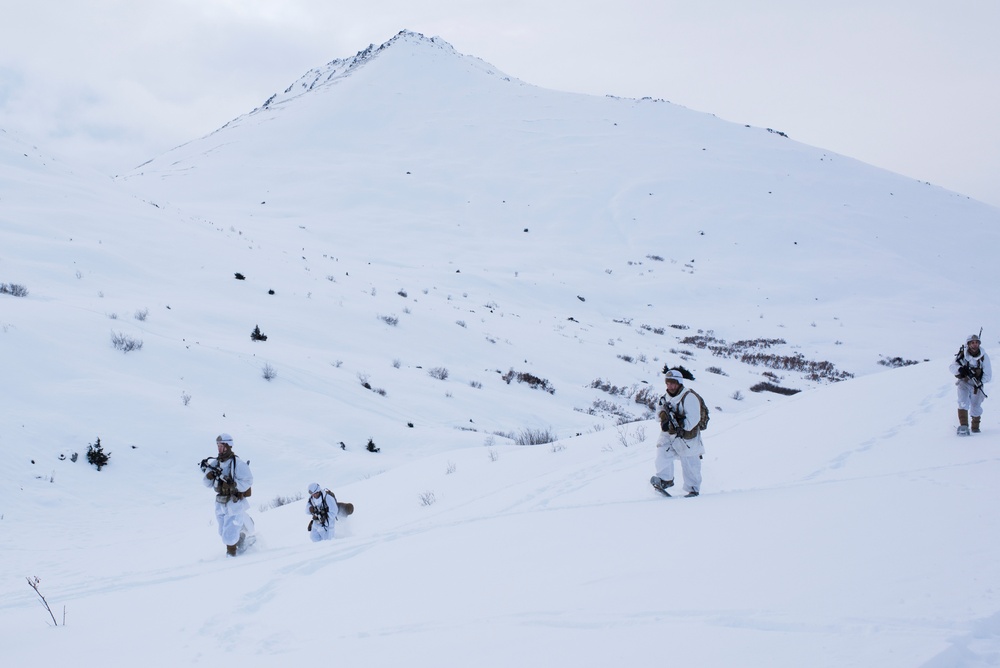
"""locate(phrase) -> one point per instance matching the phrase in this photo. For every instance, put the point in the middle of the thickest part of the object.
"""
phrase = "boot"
(231, 550)
(963, 422)
(975, 424)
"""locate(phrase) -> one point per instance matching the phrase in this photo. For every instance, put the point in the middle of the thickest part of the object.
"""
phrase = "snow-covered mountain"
(446, 260)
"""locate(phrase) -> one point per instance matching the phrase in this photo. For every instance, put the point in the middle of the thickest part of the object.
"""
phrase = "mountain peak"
(342, 67)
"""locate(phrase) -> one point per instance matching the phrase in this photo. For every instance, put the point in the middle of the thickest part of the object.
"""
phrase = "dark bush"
(14, 289)
(896, 362)
(771, 387)
(97, 456)
(534, 381)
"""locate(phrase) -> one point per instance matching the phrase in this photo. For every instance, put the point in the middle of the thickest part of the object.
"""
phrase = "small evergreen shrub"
(96, 455)
(896, 362)
(371, 446)
(257, 335)
(13, 289)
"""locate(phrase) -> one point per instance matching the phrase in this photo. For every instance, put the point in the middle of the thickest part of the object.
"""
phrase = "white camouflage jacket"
(686, 409)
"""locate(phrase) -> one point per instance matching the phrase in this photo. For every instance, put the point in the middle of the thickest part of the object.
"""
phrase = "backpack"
(703, 421)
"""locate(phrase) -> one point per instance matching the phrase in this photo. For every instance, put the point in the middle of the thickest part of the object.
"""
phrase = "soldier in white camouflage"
(972, 368)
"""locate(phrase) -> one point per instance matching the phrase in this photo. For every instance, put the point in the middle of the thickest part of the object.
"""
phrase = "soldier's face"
(672, 386)
(974, 347)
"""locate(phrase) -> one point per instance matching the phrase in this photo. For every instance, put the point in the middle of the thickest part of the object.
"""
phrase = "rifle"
(671, 422)
(966, 372)
(321, 513)
(206, 467)
(222, 482)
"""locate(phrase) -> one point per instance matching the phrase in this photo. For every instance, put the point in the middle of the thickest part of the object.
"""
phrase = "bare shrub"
(34, 582)
(438, 372)
(142, 314)
(524, 377)
(602, 407)
(646, 397)
(451, 468)
(427, 498)
(268, 372)
(389, 319)
(529, 436)
(124, 342)
(185, 398)
(280, 500)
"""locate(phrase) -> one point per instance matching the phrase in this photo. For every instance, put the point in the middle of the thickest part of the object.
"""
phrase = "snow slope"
(386, 208)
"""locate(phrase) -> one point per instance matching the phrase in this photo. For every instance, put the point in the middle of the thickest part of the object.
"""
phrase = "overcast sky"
(908, 85)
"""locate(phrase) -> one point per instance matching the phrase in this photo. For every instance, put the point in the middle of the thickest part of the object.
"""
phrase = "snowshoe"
(963, 430)
(245, 542)
(661, 485)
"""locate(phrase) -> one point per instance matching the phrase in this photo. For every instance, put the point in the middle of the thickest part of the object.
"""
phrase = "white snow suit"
(969, 397)
(325, 513)
(230, 507)
(684, 444)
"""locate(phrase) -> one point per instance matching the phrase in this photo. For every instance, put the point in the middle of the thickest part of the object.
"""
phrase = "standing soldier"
(681, 421)
(230, 478)
(972, 369)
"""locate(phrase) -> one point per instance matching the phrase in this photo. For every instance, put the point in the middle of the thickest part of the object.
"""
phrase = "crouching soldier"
(325, 511)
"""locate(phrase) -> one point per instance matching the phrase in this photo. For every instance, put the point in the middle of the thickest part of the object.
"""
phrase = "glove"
(963, 372)
(210, 475)
(977, 374)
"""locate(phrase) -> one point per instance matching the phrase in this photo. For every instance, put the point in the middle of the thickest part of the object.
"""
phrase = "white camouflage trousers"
(690, 468)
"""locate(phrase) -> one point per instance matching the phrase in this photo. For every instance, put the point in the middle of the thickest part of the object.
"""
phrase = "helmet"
(224, 438)
(972, 337)
(674, 375)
